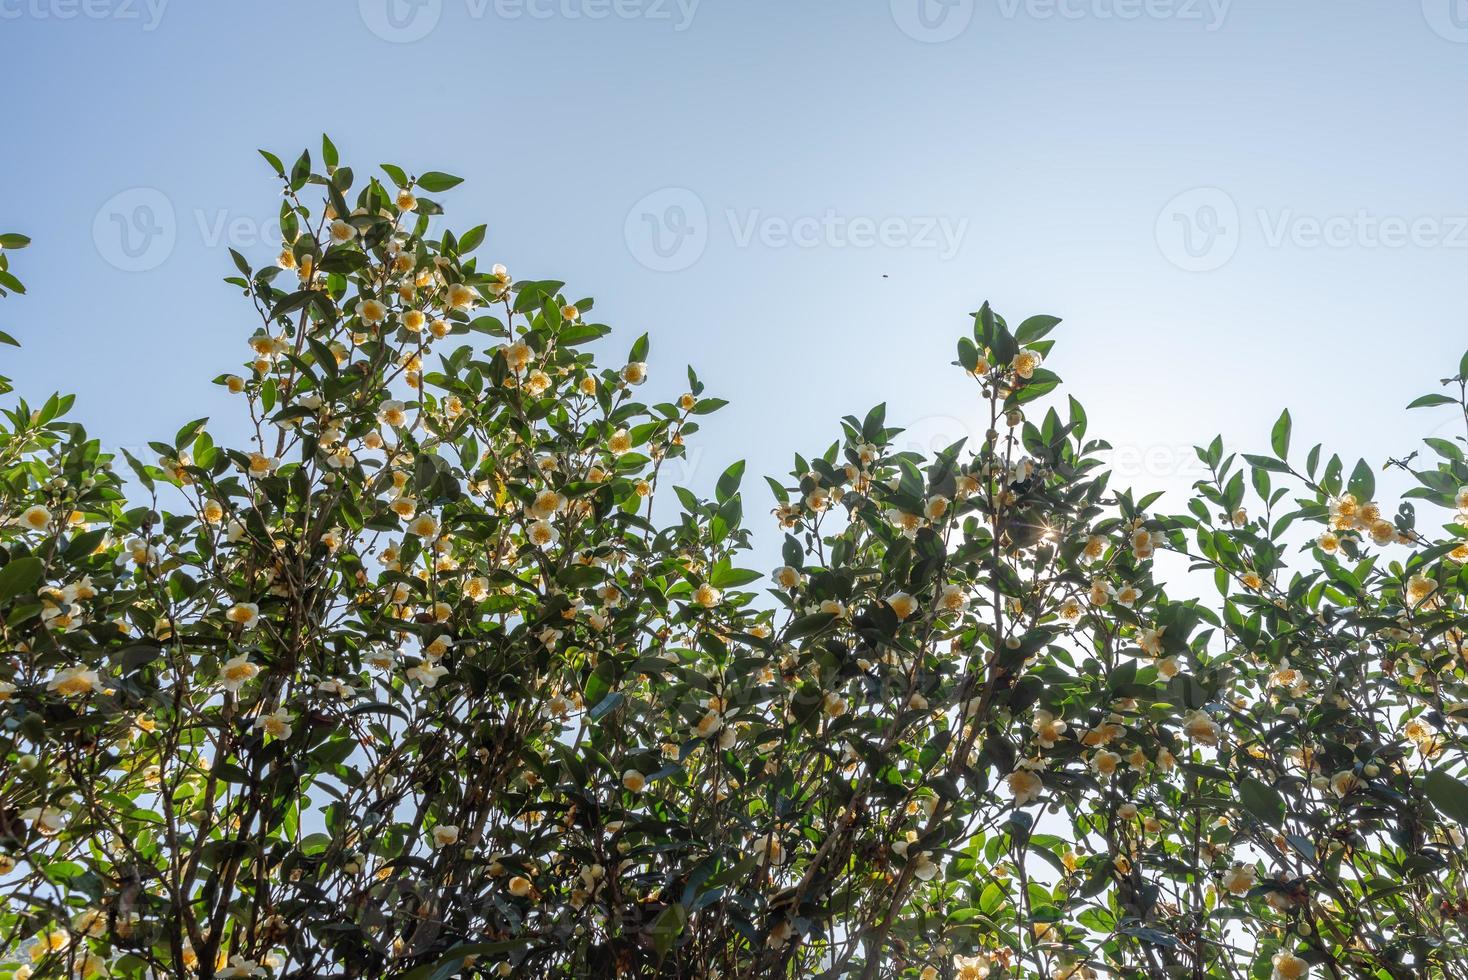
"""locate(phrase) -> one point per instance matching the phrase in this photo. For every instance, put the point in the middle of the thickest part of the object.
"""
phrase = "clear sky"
(1235, 205)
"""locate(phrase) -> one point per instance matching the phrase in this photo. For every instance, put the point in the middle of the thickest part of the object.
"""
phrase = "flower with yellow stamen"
(75, 682)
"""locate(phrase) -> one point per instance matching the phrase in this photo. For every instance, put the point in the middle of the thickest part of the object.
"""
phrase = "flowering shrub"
(420, 683)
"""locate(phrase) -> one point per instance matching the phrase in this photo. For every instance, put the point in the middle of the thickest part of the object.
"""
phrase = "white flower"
(1239, 879)
(445, 834)
(634, 781)
(710, 723)
(1288, 966)
(277, 724)
(547, 503)
(241, 967)
(338, 687)
(902, 604)
(393, 413)
(1201, 728)
(426, 673)
(1048, 729)
(1025, 362)
(970, 968)
(73, 682)
(952, 599)
(36, 518)
(261, 465)
(542, 534)
(1025, 786)
(924, 868)
(461, 297)
(243, 614)
(769, 850)
(372, 311)
(47, 820)
(235, 671)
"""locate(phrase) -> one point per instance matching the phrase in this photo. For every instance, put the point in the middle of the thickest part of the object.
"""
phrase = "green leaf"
(274, 161)
(1429, 400)
(472, 239)
(301, 172)
(1448, 794)
(435, 181)
(1035, 327)
(396, 173)
(729, 482)
(1363, 482)
(606, 705)
(1267, 463)
(20, 575)
(667, 927)
(725, 576)
(1262, 800)
(1279, 438)
(968, 354)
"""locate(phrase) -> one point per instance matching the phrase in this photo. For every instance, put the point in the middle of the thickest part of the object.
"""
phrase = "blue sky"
(1235, 205)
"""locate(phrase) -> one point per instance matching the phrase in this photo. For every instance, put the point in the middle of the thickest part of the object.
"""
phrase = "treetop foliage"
(418, 683)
